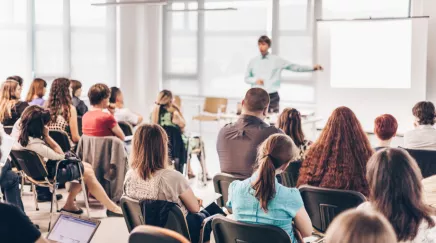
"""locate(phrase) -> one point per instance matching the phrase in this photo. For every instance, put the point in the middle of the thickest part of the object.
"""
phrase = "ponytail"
(265, 186)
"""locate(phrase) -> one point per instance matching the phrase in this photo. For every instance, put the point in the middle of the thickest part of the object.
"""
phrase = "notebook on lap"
(73, 229)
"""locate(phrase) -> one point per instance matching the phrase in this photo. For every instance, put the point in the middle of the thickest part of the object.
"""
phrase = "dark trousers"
(195, 221)
(10, 184)
(274, 103)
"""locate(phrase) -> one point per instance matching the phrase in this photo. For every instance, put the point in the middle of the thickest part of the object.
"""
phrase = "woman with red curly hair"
(338, 158)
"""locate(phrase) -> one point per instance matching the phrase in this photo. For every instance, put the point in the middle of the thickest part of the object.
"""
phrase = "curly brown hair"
(59, 101)
(338, 158)
(425, 112)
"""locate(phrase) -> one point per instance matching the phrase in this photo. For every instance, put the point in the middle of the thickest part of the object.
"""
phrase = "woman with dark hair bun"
(338, 158)
(34, 136)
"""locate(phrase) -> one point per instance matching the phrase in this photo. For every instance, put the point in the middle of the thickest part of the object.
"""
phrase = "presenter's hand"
(318, 68)
(259, 82)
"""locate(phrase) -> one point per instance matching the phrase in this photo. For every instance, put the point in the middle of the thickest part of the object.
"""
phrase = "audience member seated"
(394, 180)
(10, 105)
(36, 92)
(237, 142)
(167, 113)
(290, 122)
(338, 158)
(261, 199)
(424, 135)
(63, 115)
(123, 114)
(96, 122)
(149, 177)
(9, 181)
(34, 136)
(76, 87)
(385, 129)
(360, 227)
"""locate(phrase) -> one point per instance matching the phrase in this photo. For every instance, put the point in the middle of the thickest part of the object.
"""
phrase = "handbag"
(70, 169)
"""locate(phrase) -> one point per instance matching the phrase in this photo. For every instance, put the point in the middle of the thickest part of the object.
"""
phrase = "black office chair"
(290, 176)
(61, 138)
(227, 230)
(145, 233)
(34, 170)
(323, 204)
(8, 129)
(134, 217)
(426, 160)
(126, 127)
(221, 183)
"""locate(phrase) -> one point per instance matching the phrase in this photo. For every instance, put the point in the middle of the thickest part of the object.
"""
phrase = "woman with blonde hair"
(11, 107)
(360, 227)
(261, 199)
(36, 92)
(167, 113)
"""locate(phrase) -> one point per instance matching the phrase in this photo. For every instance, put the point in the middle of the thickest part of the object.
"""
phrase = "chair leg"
(85, 197)
(53, 198)
(203, 165)
(22, 184)
(35, 197)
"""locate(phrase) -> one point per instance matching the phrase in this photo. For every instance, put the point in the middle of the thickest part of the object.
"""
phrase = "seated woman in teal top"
(260, 199)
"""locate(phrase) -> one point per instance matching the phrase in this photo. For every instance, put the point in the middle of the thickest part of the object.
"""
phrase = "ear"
(265, 111)
(243, 103)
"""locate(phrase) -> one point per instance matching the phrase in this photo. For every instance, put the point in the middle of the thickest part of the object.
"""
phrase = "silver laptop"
(73, 229)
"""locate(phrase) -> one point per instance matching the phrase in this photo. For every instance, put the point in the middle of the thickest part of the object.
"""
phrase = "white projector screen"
(373, 67)
(371, 54)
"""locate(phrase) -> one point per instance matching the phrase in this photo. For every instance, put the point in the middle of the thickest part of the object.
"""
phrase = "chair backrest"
(8, 129)
(221, 182)
(30, 163)
(126, 127)
(290, 176)
(426, 160)
(132, 212)
(146, 233)
(61, 138)
(215, 105)
(177, 149)
(134, 217)
(323, 204)
(227, 230)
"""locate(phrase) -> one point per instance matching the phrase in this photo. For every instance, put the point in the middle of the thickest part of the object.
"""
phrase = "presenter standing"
(265, 70)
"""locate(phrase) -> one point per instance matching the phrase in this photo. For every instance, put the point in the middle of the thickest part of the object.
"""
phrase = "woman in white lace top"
(394, 180)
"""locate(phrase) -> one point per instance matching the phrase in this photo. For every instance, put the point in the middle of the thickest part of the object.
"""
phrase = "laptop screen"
(70, 229)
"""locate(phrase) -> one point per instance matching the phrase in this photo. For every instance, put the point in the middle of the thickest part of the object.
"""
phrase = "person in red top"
(97, 122)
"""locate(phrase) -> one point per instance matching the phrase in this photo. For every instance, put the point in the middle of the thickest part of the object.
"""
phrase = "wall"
(139, 55)
(429, 9)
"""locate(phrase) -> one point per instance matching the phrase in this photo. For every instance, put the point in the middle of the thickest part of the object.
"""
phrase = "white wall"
(139, 54)
(429, 9)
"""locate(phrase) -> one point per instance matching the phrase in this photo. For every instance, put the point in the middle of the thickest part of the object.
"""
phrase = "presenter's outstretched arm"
(299, 68)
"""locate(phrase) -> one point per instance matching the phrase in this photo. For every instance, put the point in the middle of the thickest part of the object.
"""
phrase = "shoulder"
(272, 130)
(170, 174)
(365, 206)
(21, 105)
(288, 193)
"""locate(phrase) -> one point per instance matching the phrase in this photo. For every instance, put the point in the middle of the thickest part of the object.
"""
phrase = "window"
(53, 38)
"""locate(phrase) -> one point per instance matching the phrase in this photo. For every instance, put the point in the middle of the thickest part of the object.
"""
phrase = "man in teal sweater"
(265, 71)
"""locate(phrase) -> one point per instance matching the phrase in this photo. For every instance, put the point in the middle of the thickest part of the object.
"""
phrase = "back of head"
(33, 120)
(75, 85)
(36, 88)
(275, 152)
(7, 98)
(59, 100)
(424, 112)
(114, 93)
(149, 150)
(164, 99)
(394, 180)
(342, 146)
(385, 127)
(256, 101)
(290, 122)
(355, 226)
(17, 79)
(97, 93)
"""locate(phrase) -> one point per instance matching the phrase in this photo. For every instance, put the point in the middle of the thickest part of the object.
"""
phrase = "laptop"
(73, 229)
(6, 147)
